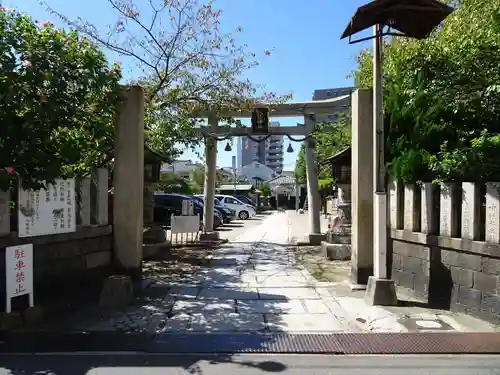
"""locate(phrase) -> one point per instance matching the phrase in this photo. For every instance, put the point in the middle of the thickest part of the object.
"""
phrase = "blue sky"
(304, 37)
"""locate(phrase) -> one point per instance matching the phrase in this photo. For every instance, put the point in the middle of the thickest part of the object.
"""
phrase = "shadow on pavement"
(234, 225)
(120, 364)
(216, 306)
(224, 228)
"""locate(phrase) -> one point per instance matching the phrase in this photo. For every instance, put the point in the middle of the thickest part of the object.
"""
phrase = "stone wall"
(63, 260)
(444, 244)
(453, 273)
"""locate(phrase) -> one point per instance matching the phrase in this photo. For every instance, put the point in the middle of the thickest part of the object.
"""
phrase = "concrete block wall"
(451, 261)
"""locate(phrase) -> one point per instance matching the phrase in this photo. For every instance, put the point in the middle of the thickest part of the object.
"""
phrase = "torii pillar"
(313, 201)
(209, 187)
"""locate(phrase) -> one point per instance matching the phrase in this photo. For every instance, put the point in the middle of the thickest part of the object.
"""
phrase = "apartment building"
(268, 152)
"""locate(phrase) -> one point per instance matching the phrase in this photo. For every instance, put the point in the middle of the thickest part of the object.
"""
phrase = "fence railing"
(459, 210)
(91, 199)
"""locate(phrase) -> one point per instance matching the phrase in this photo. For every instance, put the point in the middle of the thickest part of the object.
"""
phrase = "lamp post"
(414, 19)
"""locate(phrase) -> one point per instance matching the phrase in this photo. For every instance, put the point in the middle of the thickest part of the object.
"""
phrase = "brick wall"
(451, 273)
(63, 261)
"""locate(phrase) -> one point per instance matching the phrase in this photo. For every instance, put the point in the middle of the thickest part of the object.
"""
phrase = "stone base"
(117, 292)
(11, 321)
(149, 250)
(343, 238)
(209, 236)
(356, 287)
(315, 238)
(33, 316)
(336, 251)
(381, 292)
(359, 274)
(154, 235)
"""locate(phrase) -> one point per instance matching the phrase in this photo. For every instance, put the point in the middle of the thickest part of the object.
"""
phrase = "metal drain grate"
(229, 343)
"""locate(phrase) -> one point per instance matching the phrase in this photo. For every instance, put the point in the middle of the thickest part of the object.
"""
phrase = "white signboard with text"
(50, 211)
(184, 224)
(19, 273)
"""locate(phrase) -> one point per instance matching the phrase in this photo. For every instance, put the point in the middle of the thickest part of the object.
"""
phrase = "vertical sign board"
(52, 211)
(233, 160)
(19, 273)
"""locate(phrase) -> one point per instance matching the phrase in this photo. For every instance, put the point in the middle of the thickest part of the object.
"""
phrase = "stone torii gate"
(309, 110)
(128, 174)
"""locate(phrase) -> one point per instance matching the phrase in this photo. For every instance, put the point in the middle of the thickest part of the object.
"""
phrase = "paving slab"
(184, 291)
(270, 262)
(293, 306)
(227, 323)
(228, 260)
(218, 276)
(248, 278)
(279, 282)
(174, 323)
(303, 323)
(209, 306)
(370, 318)
(272, 267)
(266, 272)
(288, 293)
(229, 293)
(316, 306)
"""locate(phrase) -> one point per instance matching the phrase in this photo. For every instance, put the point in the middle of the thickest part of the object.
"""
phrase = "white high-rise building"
(268, 152)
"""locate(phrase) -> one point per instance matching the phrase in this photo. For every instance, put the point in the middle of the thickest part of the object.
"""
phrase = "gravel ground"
(320, 268)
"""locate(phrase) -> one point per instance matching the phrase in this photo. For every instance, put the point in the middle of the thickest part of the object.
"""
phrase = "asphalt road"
(142, 364)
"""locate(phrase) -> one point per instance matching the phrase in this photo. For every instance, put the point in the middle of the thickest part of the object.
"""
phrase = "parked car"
(245, 200)
(228, 214)
(167, 204)
(243, 210)
(163, 214)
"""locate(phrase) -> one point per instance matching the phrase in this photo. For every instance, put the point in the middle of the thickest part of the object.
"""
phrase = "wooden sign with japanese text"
(19, 273)
(52, 211)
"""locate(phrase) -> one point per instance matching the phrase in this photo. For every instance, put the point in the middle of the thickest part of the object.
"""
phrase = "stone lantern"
(152, 166)
(341, 173)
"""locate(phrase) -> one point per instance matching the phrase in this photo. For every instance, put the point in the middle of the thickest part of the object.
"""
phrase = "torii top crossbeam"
(293, 109)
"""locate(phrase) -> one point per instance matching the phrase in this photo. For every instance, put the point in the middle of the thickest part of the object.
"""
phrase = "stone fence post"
(471, 210)
(449, 213)
(395, 206)
(429, 214)
(492, 225)
(93, 198)
(411, 208)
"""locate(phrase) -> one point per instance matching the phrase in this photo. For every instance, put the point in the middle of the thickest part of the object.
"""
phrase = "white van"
(243, 210)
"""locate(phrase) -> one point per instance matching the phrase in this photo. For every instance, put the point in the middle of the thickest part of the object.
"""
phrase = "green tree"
(197, 180)
(443, 98)
(264, 189)
(187, 62)
(331, 138)
(58, 100)
(300, 165)
(172, 183)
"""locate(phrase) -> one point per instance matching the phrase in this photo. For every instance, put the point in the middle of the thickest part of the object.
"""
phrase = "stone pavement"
(255, 285)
